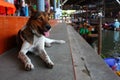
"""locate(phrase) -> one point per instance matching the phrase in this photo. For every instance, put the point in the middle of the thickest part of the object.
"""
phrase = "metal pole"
(58, 3)
(54, 8)
(41, 5)
(61, 7)
(104, 7)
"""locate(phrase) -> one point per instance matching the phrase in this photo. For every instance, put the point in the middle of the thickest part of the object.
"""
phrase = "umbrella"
(6, 8)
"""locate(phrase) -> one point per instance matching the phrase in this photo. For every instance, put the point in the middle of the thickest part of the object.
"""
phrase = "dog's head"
(39, 21)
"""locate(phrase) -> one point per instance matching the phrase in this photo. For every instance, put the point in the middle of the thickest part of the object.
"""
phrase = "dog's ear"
(32, 9)
(34, 13)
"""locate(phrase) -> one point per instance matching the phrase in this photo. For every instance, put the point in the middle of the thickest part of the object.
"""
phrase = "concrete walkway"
(74, 60)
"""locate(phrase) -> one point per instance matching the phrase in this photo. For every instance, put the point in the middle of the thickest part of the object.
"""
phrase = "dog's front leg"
(46, 59)
(24, 58)
(44, 56)
(48, 41)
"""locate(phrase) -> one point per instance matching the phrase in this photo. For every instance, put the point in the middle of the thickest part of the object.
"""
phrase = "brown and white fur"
(32, 39)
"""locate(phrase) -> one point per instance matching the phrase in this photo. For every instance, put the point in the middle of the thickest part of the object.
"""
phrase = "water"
(110, 43)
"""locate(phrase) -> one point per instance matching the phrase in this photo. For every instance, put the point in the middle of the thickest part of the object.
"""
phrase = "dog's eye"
(48, 18)
(40, 18)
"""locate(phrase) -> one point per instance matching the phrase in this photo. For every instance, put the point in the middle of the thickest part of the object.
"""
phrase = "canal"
(110, 43)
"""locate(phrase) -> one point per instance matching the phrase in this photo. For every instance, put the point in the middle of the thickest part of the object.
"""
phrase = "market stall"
(6, 8)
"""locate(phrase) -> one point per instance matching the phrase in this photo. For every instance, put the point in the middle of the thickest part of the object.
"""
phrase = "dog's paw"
(61, 41)
(29, 66)
(48, 45)
(50, 65)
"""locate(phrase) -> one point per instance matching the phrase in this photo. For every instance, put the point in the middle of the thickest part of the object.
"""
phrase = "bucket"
(110, 61)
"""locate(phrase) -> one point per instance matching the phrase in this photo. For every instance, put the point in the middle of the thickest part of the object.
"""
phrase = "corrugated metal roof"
(81, 2)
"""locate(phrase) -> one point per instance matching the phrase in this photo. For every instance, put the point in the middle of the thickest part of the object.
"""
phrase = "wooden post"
(100, 36)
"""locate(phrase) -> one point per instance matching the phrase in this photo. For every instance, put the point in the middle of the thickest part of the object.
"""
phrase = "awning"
(6, 8)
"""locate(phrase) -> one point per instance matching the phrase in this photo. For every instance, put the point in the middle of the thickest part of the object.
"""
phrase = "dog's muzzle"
(48, 27)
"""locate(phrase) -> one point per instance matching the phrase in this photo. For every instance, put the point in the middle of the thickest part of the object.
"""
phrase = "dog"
(32, 38)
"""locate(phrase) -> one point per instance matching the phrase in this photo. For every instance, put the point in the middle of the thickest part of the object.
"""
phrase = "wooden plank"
(85, 57)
